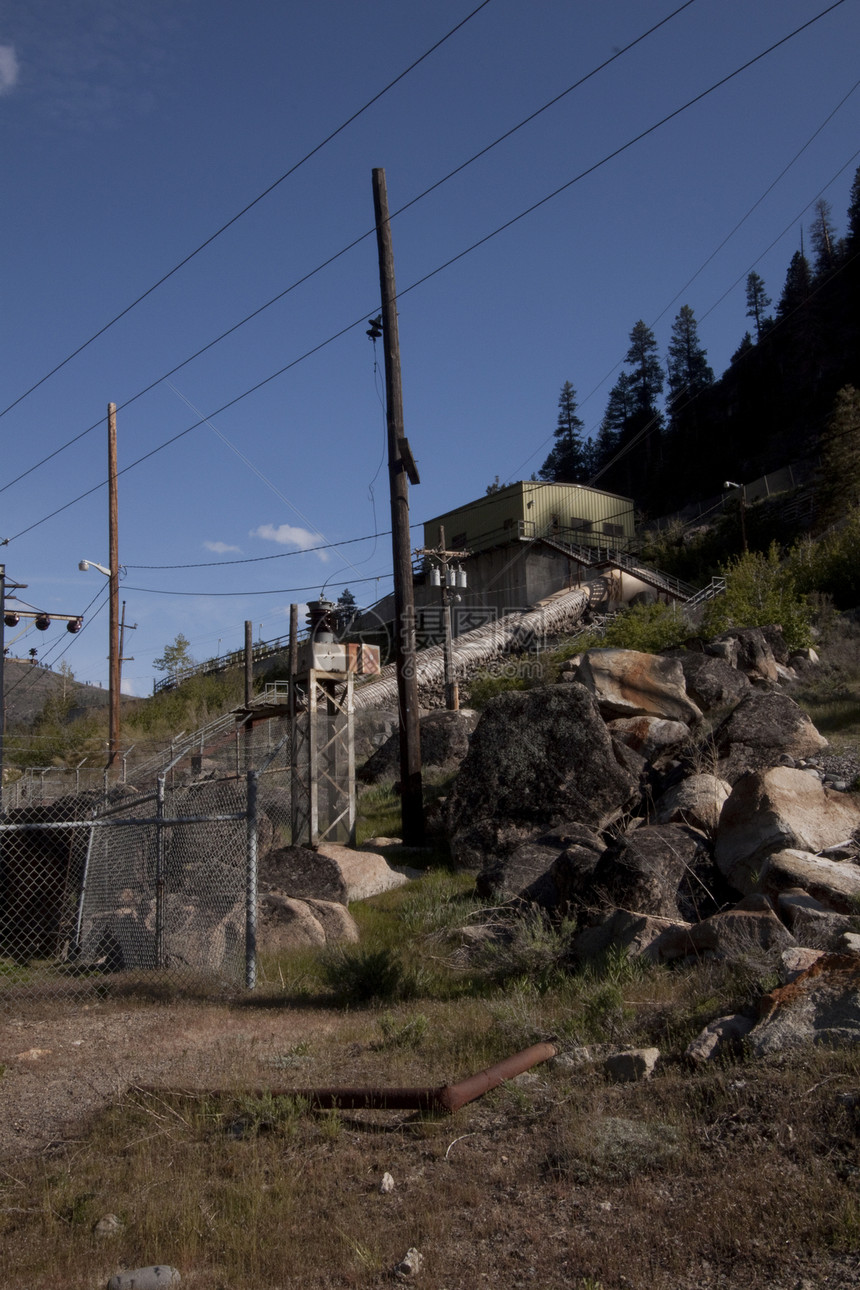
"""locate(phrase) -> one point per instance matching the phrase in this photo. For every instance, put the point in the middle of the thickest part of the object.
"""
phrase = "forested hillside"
(673, 432)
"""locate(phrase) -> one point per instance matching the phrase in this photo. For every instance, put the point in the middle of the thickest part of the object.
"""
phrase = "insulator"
(321, 617)
(11, 620)
(74, 625)
(43, 622)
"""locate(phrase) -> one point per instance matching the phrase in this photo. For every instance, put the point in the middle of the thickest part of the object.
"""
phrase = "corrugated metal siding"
(530, 509)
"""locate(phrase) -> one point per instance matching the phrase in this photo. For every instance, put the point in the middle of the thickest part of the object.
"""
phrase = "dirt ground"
(64, 1061)
(513, 1207)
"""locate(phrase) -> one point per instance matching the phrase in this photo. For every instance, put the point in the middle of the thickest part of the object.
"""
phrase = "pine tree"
(854, 210)
(689, 374)
(758, 302)
(619, 409)
(347, 610)
(566, 462)
(687, 367)
(743, 349)
(838, 487)
(647, 374)
(798, 285)
(823, 236)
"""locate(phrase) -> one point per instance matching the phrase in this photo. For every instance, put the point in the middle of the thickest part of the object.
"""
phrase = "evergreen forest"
(672, 432)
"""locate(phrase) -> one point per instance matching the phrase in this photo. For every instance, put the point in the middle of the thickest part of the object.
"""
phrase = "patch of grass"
(378, 813)
(405, 1032)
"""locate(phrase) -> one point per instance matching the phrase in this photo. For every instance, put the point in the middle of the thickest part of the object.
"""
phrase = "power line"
(349, 246)
(452, 260)
(250, 205)
(274, 591)
(258, 559)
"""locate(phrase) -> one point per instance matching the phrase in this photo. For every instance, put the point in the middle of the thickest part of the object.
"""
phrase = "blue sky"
(132, 133)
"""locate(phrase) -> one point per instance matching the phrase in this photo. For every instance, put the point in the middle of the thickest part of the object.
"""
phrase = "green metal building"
(572, 513)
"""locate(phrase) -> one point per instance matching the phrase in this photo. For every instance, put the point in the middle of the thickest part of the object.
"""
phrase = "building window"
(581, 526)
(613, 530)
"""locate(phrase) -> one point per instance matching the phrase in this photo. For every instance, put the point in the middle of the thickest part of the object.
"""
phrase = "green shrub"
(361, 975)
(484, 687)
(648, 628)
(830, 565)
(760, 590)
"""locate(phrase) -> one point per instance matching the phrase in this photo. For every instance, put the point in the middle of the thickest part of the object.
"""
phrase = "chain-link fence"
(156, 882)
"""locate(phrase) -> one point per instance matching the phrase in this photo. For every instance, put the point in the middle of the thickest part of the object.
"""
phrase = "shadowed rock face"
(712, 682)
(537, 758)
(662, 870)
(763, 728)
(444, 743)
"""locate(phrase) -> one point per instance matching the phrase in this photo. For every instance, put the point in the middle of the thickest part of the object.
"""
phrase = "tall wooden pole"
(412, 802)
(113, 563)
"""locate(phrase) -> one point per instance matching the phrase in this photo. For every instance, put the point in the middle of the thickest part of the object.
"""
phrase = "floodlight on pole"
(83, 565)
(729, 483)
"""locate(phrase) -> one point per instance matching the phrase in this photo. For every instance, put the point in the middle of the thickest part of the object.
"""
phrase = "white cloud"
(289, 535)
(8, 69)
(221, 548)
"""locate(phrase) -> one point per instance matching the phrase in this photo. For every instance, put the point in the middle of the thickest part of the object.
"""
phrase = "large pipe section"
(447, 1098)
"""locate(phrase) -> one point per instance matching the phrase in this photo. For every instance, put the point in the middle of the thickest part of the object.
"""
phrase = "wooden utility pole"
(400, 468)
(113, 564)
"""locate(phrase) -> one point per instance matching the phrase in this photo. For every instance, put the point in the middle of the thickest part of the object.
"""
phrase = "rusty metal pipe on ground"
(449, 1097)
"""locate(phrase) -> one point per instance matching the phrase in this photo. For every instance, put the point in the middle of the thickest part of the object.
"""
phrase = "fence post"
(251, 885)
(75, 951)
(159, 872)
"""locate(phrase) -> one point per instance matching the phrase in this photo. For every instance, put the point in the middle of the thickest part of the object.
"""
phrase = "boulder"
(712, 683)
(814, 925)
(777, 810)
(751, 927)
(621, 930)
(336, 921)
(650, 737)
(719, 1037)
(725, 650)
(764, 727)
(444, 743)
(285, 923)
(821, 1006)
(662, 869)
(572, 871)
(206, 935)
(364, 873)
(752, 653)
(519, 874)
(835, 884)
(627, 683)
(631, 1065)
(696, 801)
(794, 961)
(775, 639)
(301, 872)
(538, 758)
